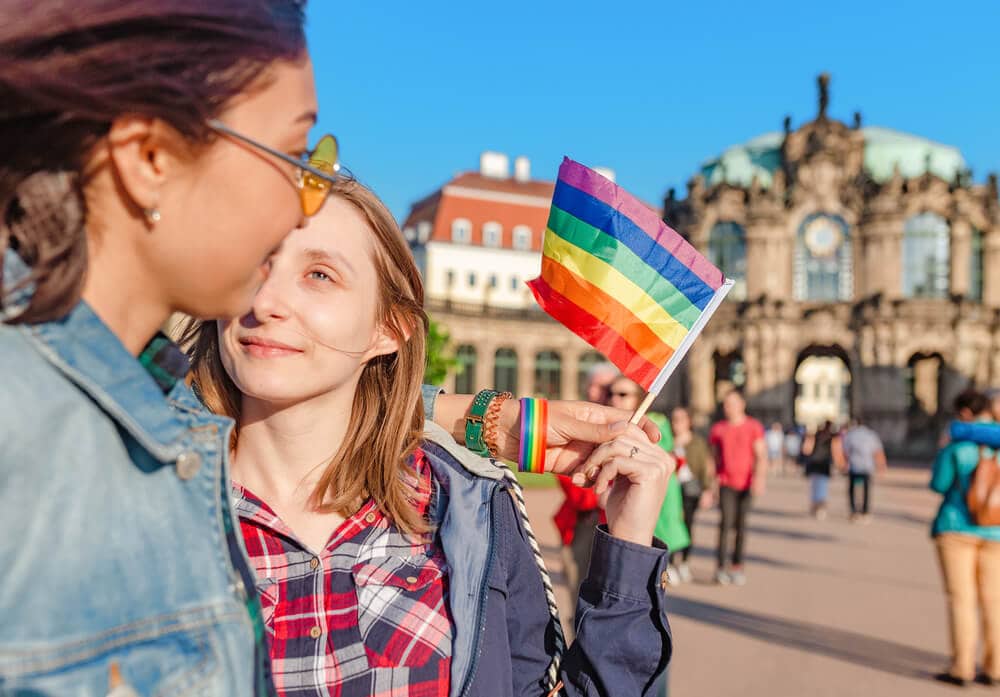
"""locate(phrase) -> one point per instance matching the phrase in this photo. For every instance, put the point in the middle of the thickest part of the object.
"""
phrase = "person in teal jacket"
(670, 527)
(969, 554)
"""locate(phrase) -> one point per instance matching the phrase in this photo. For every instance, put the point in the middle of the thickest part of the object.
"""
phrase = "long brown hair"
(387, 415)
(69, 69)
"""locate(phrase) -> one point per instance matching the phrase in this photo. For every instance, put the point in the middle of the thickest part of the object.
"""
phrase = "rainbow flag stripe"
(620, 278)
(534, 425)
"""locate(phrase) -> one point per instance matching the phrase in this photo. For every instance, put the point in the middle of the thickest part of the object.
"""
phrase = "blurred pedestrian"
(737, 444)
(865, 457)
(969, 554)
(696, 474)
(818, 450)
(793, 449)
(599, 379)
(774, 439)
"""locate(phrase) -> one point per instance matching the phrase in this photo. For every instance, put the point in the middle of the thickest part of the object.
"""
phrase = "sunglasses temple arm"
(223, 128)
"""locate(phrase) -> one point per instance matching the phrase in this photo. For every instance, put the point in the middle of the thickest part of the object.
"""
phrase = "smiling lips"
(259, 347)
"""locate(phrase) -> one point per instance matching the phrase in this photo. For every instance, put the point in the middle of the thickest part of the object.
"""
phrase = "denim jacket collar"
(88, 353)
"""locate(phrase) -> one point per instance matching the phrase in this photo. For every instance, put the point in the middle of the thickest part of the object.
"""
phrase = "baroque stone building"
(860, 244)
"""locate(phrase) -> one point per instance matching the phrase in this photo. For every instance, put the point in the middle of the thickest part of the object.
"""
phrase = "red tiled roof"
(475, 180)
(441, 210)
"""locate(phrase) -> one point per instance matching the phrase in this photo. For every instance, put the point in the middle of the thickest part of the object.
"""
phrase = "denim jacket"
(114, 554)
(504, 636)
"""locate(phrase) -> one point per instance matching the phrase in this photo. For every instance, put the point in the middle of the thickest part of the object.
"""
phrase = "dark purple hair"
(68, 68)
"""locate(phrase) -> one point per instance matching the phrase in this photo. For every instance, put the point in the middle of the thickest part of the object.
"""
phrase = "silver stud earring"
(152, 215)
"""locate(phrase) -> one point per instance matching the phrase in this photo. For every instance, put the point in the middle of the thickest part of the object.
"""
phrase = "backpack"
(983, 498)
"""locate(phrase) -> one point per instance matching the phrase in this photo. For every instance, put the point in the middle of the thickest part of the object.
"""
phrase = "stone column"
(991, 262)
(569, 376)
(525, 370)
(769, 258)
(485, 355)
(883, 258)
(959, 252)
(702, 372)
(994, 358)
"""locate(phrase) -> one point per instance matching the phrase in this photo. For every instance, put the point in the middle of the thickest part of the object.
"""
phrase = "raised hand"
(633, 472)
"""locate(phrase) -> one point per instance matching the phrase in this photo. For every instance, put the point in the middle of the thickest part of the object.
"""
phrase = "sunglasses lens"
(324, 157)
(314, 189)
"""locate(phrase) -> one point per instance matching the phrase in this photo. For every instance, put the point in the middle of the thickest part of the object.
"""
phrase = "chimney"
(522, 169)
(494, 164)
(606, 172)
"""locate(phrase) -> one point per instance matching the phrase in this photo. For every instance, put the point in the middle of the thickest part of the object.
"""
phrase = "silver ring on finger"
(633, 451)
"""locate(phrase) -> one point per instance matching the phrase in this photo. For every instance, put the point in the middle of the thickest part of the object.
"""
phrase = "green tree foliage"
(439, 358)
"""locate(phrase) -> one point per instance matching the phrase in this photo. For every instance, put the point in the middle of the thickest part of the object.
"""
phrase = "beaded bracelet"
(491, 422)
(534, 427)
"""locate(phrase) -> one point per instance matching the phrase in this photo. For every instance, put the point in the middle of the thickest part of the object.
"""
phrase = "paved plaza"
(831, 608)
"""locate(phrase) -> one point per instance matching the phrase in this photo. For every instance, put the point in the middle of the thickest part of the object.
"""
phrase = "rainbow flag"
(621, 279)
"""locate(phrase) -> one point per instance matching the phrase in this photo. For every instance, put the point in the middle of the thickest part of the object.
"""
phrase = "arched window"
(587, 361)
(926, 256)
(976, 266)
(461, 231)
(492, 234)
(923, 383)
(548, 375)
(505, 370)
(522, 237)
(465, 380)
(727, 249)
(823, 264)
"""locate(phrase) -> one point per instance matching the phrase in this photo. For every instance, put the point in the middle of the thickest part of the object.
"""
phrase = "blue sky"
(416, 90)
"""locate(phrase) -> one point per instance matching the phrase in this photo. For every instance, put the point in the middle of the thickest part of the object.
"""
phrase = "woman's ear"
(383, 345)
(142, 151)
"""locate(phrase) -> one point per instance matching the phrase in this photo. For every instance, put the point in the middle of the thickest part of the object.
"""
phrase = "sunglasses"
(315, 171)
(623, 395)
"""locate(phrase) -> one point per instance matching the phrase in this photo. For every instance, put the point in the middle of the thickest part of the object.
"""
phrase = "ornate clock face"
(823, 236)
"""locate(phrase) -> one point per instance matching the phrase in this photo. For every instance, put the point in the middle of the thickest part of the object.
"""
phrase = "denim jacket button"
(188, 464)
(240, 589)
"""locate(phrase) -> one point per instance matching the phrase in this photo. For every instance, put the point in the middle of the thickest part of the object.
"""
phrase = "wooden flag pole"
(678, 356)
(643, 408)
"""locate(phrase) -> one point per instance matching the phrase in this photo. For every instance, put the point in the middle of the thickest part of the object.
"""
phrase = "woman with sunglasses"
(389, 559)
(124, 197)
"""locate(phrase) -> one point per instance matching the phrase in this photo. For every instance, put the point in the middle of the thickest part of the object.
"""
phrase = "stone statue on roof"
(824, 93)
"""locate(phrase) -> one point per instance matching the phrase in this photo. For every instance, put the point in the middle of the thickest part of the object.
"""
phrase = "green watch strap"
(474, 422)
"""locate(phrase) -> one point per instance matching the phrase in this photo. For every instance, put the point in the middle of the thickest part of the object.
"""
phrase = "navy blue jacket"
(504, 634)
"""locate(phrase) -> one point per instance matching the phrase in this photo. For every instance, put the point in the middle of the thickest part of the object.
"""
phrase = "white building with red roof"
(478, 240)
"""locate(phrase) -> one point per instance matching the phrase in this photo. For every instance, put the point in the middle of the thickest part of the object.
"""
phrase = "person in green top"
(670, 527)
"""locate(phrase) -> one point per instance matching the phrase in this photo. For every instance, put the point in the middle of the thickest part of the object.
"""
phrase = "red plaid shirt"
(367, 616)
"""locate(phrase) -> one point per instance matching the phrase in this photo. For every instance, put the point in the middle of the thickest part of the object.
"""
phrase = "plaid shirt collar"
(252, 509)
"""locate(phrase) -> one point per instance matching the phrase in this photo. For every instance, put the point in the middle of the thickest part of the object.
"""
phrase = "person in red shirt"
(741, 465)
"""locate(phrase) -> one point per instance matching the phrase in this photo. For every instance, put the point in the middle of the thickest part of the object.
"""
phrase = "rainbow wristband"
(534, 427)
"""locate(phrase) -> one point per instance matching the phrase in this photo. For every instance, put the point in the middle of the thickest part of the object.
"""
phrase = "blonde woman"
(390, 560)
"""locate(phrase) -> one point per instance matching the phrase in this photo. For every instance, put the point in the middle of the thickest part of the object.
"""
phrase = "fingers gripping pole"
(643, 408)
